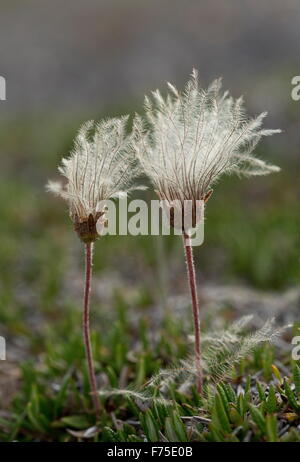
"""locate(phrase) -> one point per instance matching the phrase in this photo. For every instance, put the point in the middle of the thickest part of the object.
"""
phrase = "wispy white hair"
(101, 166)
(190, 139)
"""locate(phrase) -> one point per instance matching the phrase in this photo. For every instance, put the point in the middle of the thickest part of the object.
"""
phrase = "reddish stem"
(86, 325)
(195, 306)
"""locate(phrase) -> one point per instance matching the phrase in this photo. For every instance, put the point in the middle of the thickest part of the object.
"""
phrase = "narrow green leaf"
(258, 418)
(150, 426)
(223, 397)
(296, 375)
(75, 421)
(179, 427)
(235, 416)
(241, 405)
(271, 402)
(222, 414)
(248, 384)
(271, 427)
(170, 431)
(290, 396)
(277, 373)
(215, 434)
(261, 391)
(230, 393)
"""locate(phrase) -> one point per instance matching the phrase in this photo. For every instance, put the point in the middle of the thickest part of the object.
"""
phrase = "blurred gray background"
(68, 55)
(87, 56)
(69, 61)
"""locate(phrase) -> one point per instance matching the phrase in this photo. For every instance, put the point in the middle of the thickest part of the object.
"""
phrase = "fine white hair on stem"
(223, 350)
(190, 139)
(101, 166)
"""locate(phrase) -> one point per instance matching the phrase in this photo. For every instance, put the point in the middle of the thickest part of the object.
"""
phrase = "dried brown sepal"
(86, 228)
(207, 195)
(204, 198)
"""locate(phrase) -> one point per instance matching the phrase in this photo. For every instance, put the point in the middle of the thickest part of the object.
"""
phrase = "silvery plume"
(186, 143)
(101, 166)
(190, 139)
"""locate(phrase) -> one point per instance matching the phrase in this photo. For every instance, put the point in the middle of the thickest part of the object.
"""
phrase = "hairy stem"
(195, 306)
(86, 325)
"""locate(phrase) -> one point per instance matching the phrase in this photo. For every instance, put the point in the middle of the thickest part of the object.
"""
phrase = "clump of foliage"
(259, 401)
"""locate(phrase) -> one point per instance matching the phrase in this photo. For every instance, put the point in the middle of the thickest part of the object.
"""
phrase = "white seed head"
(190, 139)
(101, 166)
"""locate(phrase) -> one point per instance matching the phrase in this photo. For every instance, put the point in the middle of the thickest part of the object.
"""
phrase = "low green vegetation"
(258, 401)
(252, 239)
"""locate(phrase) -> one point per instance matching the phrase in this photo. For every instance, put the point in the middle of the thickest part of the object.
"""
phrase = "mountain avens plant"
(186, 143)
(100, 167)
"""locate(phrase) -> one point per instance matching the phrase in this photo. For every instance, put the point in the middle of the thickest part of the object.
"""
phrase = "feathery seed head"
(190, 139)
(101, 166)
